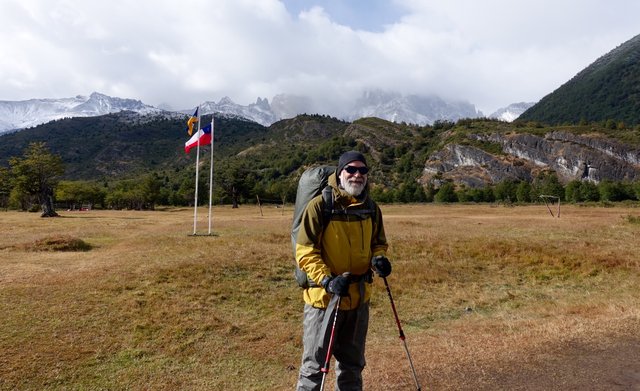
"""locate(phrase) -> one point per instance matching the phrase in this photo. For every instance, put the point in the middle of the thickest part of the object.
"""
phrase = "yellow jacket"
(347, 244)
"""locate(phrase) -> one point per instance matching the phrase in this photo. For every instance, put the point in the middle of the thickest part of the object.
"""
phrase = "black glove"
(381, 265)
(337, 285)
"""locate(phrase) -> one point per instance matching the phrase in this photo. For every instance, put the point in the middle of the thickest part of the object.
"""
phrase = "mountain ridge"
(16, 115)
(391, 106)
(607, 89)
(472, 153)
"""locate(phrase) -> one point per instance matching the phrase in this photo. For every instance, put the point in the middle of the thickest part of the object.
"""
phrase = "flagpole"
(195, 203)
(211, 171)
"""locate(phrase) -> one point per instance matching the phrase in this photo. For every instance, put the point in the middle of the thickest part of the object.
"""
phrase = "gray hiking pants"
(348, 348)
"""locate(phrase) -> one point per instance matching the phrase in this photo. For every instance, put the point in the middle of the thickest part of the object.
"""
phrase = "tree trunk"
(234, 198)
(46, 202)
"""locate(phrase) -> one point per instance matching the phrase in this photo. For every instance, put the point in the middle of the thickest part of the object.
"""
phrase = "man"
(338, 257)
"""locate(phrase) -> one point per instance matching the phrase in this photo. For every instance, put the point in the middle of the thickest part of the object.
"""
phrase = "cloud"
(489, 53)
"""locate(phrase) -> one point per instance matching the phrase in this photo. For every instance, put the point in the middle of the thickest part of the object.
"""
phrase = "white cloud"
(490, 53)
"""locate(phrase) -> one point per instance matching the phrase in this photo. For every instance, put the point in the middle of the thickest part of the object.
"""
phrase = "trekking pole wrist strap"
(325, 281)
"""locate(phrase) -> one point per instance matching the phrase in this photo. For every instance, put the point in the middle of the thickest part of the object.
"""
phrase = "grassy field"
(136, 303)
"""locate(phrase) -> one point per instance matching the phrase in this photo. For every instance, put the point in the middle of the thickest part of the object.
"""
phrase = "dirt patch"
(573, 366)
(599, 356)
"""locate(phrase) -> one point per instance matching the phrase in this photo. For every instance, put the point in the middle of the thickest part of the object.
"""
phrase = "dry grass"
(483, 293)
(57, 243)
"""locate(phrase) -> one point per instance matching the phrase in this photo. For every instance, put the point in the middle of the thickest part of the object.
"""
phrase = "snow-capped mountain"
(413, 109)
(511, 112)
(32, 112)
(288, 106)
(259, 112)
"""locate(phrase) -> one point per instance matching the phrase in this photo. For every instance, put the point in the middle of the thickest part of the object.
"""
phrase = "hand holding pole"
(327, 360)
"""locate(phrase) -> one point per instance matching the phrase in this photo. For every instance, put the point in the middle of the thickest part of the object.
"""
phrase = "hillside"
(608, 89)
(406, 160)
(125, 144)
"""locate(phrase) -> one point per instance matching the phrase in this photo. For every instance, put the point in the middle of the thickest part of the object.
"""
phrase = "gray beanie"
(349, 157)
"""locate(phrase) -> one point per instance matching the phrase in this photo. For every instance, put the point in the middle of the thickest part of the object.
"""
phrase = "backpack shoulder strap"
(374, 213)
(328, 211)
(327, 208)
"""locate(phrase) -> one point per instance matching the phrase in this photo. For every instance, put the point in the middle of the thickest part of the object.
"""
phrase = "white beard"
(354, 189)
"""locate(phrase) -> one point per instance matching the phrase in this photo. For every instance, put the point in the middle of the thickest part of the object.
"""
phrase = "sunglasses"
(352, 170)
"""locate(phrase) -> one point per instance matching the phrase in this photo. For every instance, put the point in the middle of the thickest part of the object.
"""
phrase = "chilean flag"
(203, 137)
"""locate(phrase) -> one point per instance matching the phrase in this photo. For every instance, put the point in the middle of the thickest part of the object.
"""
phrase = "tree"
(488, 194)
(139, 194)
(77, 193)
(150, 188)
(446, 193)
(547, 183)
(37, 173)
(406, 192)
(232, 181)
(474, 194)
(615, 191)
(506, 191)
(636, 189)
(589, 191)
(429, 192)
(5, 187)
(572, 191)
(523, 191)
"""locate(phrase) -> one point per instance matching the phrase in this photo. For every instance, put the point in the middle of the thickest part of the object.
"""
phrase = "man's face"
(353, 182)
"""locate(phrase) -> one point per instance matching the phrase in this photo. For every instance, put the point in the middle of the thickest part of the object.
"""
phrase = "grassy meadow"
(125, 300)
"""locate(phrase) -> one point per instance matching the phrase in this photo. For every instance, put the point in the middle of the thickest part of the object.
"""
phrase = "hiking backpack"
(313, 182)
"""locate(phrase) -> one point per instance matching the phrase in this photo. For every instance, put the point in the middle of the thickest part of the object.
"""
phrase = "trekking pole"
(325, 368)
(406, 349)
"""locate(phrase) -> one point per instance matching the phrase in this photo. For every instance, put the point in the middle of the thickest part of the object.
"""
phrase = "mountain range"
(607, 89)
(391, 106)
(256, 158)
(15, 115)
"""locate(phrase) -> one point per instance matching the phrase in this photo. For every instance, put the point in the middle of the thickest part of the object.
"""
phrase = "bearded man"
(339, 257)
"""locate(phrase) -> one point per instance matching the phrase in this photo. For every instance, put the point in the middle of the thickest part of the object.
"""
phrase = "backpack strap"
(327, 212)
(327, 197)
(327, 209)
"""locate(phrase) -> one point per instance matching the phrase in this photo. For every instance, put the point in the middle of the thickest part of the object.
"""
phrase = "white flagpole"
(195, 204)
(211, 172)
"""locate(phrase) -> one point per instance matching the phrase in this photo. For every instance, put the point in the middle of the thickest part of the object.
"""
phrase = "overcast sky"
(182, 52)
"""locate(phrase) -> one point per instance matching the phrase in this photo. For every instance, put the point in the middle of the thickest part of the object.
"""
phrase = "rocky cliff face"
(571, 156)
